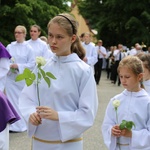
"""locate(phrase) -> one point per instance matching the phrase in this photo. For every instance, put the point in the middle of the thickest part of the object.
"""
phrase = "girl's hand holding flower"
(14, 66)
(126, 133)
(47, 113)
(124, 129)
(116, 131)
(35, 119)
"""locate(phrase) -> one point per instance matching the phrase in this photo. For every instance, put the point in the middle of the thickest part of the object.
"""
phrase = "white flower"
(13, 59)
(40, 61)
(116, 103)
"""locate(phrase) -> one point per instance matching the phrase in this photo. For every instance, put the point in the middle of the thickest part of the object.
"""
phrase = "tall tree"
(27, 13)
(118, 21)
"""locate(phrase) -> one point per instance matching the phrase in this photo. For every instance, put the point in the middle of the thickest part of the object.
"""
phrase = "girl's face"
(146, 74)
(129, 80)
(34, 33)
(19, 35)
(59, 41)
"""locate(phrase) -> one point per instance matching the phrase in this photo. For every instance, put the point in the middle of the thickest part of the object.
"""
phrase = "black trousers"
(98, 70)
(116, 77)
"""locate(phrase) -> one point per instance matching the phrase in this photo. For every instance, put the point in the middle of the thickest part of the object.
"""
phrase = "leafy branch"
(30, 77)
(126, 125)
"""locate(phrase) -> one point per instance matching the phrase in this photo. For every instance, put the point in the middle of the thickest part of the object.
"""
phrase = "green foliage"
(30, 77)
(27, 13)
(118, 21)
(27, 75)
(126, 125)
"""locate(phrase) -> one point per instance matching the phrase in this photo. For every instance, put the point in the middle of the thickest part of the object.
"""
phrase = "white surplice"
(134, 106)
(40, 48)
(4, 68)
(4, 138)
(147, 86)
(91, 53)
(23, 56)
(73, 95)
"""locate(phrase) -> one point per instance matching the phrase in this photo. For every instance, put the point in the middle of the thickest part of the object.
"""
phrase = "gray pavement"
(92, 138)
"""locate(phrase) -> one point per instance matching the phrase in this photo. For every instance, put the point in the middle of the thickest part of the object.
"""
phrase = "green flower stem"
(38, 94)
(117, 123)
(116, 116)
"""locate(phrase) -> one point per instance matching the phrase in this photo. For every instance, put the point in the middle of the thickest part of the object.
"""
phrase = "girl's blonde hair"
(36, 26)
(70, 25)
(134, 64)
(145, 58)
(22, 28)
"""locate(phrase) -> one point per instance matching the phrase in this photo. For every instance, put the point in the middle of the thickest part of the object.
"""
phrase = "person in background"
(39, 46)
(137, 49)
(82, 38)
(110, 62)
(68, 108)
(4, 65)
(113, 66)
(22, 57)
(148, 49)
(133, 104)
(119, 54)
(8, 116)
(91, 53)
(101, 54)
(145, 58)
(43, 38)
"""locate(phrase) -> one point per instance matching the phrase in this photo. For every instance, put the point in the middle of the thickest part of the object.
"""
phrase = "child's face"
(59, 41)
(129, 80)
(34, 33)
(19, 35)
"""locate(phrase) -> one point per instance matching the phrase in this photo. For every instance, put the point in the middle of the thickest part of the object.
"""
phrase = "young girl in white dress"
(22, 57)
(134, 106)
(69, 106)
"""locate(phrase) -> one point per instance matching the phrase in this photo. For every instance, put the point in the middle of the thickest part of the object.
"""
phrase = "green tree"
(27, 13)
(118, 21)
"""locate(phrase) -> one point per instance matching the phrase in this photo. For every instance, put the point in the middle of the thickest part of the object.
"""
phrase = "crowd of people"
(69, 106)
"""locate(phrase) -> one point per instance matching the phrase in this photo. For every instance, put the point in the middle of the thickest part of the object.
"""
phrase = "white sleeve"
(73, 124)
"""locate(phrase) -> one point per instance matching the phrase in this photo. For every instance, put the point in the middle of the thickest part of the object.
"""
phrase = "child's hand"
(47, 113)
(116, 131)
(126, 133)
(35, 119)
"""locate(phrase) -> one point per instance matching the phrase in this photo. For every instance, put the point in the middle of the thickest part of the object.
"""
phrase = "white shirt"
(40, 48)
(91, 53)
(23, 55)
(117, 53)
(133, 52)
(102, 49)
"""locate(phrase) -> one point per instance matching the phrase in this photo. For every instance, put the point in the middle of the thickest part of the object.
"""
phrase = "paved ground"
(92, 137)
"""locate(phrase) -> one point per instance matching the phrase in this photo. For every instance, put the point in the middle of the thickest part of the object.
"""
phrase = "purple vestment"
(3, 52)
(7, 112)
